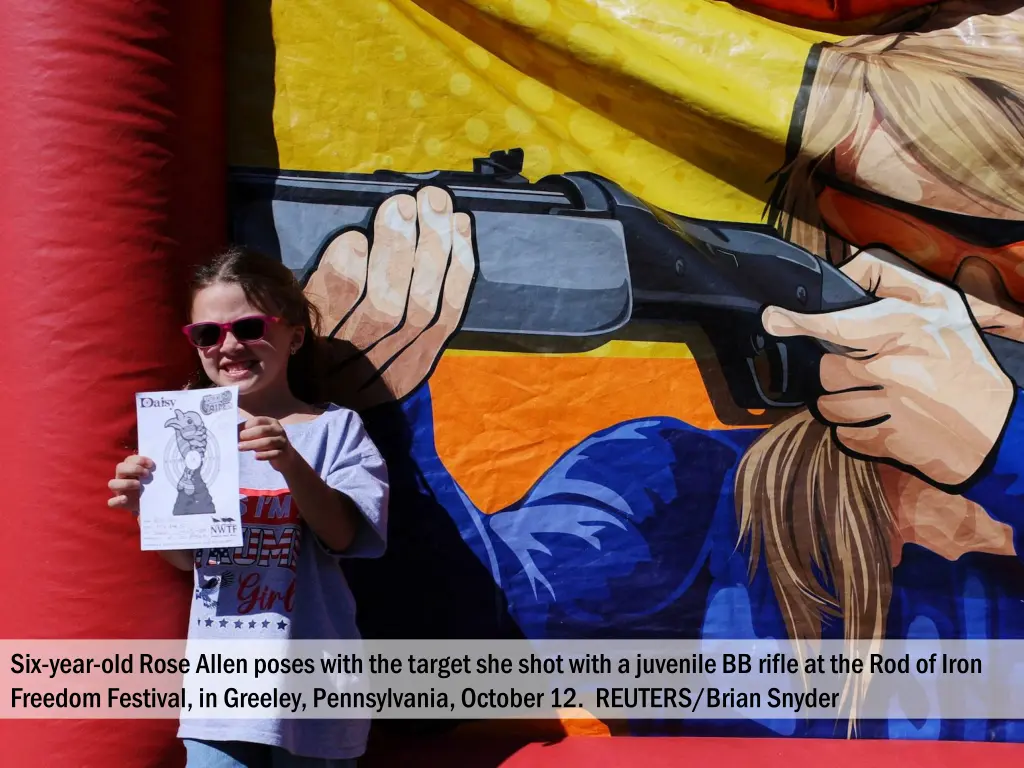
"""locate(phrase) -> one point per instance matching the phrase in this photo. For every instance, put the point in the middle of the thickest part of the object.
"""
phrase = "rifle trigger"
(784, 367)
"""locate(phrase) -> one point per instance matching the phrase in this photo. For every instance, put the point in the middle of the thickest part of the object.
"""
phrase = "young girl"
(314, 489)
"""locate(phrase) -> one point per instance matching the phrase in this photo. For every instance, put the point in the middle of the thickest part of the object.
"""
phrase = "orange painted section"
(501, 421)
(585, 726)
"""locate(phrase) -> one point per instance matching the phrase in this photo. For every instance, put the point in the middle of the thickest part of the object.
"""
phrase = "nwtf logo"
(223, 526)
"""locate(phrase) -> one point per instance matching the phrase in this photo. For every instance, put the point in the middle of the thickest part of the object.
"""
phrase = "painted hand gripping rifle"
(575, 256)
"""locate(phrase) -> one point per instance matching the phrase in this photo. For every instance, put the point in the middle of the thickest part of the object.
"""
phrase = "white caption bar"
(509, 679)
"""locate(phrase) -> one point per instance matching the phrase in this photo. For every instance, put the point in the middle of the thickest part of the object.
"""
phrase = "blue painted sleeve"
(999, 485)
(614, 539)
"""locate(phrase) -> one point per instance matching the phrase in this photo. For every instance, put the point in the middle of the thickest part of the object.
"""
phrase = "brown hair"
(270, 286)
(821, 519)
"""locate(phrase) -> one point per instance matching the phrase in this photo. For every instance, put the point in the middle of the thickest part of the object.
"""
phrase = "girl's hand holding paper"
(129, 477)
(267, 437)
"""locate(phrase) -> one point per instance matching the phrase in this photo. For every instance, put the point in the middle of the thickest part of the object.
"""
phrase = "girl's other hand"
(268, 440)
(129, 477)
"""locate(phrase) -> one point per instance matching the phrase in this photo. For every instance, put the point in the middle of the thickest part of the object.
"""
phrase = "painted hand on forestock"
(392, 304)
(917, 385)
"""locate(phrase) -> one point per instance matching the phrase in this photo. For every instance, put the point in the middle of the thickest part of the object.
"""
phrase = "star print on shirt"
(209, 622)
(223, 622)
(252, 624)
(238, 624)
(281, 625)
(266, 623)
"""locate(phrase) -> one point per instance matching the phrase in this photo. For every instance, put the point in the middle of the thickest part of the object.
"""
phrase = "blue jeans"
(240, 754)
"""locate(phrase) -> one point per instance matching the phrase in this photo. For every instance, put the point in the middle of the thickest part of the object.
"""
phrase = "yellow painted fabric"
(685, 103)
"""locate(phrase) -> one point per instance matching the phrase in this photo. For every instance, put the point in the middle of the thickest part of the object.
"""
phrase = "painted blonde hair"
(952, 95)
(821, 521)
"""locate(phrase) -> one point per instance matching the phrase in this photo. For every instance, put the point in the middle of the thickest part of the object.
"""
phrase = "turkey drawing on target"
(191, 458)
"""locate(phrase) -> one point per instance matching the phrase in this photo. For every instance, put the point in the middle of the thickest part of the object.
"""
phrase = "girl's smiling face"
(255, 367)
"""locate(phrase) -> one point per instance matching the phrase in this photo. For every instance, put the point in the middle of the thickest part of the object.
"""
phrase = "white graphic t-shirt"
(283, 582)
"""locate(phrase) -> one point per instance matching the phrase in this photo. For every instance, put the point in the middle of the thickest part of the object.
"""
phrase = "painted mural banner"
(672, 321)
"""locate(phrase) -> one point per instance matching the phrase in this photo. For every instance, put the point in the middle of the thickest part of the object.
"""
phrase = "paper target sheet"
(191, 500)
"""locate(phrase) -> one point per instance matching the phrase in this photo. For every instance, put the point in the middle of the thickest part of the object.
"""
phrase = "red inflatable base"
(627, 752)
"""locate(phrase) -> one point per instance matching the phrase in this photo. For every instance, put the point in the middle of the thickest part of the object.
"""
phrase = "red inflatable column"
(111, 167)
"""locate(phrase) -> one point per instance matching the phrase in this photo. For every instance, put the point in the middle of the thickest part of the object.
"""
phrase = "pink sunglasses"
(245, 329)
